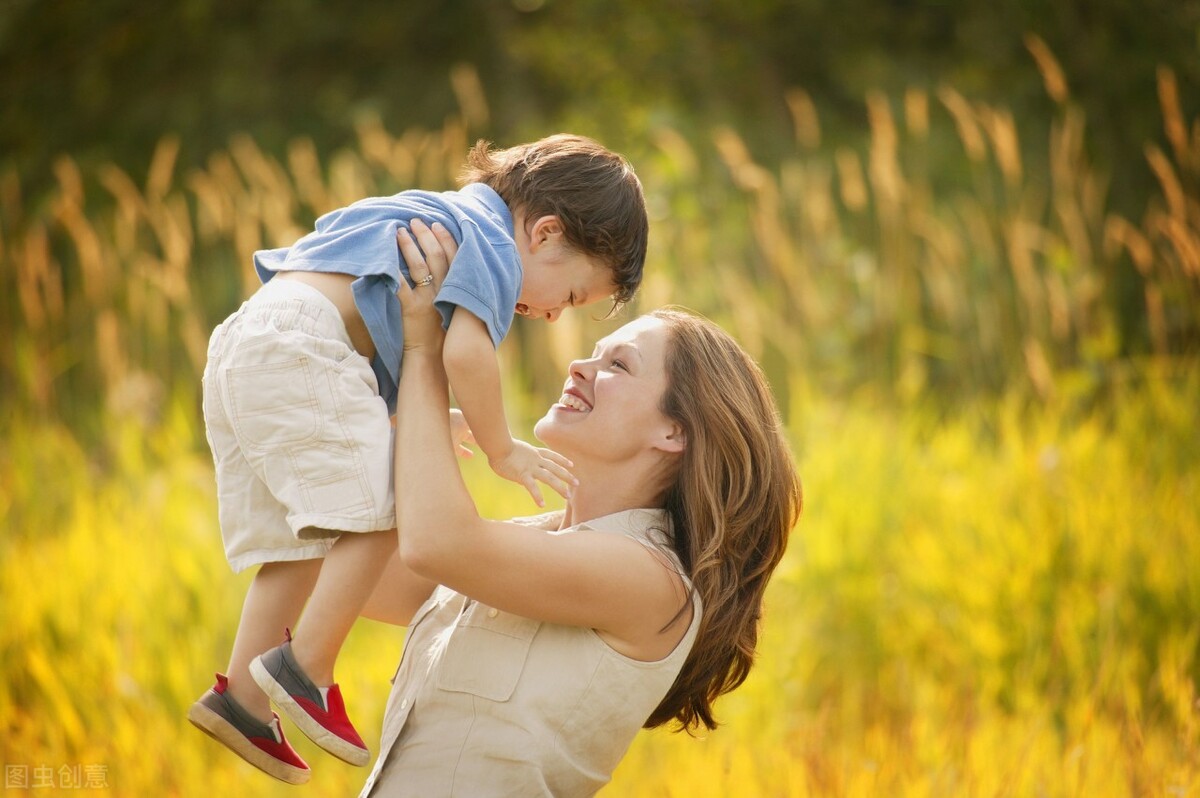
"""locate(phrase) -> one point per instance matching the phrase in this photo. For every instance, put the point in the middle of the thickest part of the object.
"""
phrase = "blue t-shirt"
(360, 240)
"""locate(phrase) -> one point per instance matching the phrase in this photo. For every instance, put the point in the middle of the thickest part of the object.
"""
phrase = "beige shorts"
(300, 437)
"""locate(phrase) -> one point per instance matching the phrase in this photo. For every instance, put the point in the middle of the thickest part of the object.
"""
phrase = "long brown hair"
(592, 190)
(732, 505)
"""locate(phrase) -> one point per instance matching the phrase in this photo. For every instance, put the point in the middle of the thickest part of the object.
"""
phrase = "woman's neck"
(604, 491)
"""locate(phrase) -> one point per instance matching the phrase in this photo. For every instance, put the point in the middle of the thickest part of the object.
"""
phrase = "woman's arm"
(603, 581)
(398, 594)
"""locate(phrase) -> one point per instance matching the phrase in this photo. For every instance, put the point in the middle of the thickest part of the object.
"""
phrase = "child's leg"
(348, 577)
(273, 603)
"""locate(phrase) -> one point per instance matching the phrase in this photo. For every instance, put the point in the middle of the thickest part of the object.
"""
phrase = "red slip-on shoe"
(261, 744)
(322, 718)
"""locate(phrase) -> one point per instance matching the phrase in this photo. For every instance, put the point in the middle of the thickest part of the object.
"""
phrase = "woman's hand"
(422, 322)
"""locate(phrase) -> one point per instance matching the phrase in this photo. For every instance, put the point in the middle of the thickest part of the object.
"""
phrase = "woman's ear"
(674, 441)
(544, 230)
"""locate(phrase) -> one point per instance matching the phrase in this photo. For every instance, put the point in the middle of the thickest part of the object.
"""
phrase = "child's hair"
(593, 191)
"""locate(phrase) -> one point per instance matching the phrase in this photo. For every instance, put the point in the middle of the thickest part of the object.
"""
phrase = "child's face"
(556, 276)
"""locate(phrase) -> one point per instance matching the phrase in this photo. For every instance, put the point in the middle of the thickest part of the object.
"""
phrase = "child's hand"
(527, 465)
(460, 434)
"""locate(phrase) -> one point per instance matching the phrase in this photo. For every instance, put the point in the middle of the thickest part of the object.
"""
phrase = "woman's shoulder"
(647, 524)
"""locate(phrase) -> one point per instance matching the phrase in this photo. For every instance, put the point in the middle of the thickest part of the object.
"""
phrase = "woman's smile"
(573, 400)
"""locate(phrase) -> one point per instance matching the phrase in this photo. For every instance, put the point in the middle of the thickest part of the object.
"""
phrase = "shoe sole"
(227, 734)
(327, 740)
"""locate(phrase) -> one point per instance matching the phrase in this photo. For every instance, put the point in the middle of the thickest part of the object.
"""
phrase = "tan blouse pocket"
(486, 653)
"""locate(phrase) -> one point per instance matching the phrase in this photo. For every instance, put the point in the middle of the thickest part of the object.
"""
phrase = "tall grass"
(996, 605)
(989, 375)
(1003, 603)
(937, 259)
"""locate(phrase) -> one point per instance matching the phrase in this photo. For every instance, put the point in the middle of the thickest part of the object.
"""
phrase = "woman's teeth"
(573, 402)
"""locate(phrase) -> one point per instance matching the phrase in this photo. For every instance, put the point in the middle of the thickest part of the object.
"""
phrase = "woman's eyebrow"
(628, 347)
(624, 346)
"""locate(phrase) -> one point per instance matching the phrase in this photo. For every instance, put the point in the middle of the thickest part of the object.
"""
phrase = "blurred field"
(989, 377)
(1000, 604)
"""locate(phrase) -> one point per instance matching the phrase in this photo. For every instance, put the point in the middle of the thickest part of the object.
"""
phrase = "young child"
(301, 382)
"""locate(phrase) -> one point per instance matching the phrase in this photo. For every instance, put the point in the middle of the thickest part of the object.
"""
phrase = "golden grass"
(990, 605)
(1001, 603)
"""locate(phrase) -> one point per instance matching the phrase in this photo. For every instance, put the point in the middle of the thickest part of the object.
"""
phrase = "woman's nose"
(552, 315)
(580, 370)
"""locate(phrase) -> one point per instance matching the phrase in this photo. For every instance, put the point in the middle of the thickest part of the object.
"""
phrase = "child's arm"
(474, 376)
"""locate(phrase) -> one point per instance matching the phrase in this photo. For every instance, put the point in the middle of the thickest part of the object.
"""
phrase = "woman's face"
(610, 403)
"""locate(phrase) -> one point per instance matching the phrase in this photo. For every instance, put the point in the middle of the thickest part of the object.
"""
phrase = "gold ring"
(424, 281)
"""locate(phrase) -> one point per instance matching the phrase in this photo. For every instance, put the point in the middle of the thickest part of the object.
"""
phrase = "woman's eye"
(619, 364)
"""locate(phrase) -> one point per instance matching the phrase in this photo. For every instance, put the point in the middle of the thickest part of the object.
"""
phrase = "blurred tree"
(730, 61)
(104, 79)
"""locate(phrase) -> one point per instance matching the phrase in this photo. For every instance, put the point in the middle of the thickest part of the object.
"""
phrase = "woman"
(546, 645)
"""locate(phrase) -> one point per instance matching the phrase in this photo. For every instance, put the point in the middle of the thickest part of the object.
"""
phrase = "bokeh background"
(963, 239)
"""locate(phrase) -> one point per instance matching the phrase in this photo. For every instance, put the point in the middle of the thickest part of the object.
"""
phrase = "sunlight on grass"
(978, 607)
(996, 604)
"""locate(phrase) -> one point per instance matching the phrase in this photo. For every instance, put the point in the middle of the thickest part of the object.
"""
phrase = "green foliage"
(838, 267)
(106, 79)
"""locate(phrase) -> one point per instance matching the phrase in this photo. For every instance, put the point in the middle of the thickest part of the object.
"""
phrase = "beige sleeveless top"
(486, 703)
